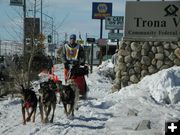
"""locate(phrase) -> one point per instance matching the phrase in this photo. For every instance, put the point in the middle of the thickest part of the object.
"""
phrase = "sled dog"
(29, 102)
(69, 95)
(47, 99)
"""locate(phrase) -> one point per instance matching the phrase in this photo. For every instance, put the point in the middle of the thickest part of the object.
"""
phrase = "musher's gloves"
(75, 63)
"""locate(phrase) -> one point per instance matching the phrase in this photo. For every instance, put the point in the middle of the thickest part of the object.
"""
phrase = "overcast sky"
(70, 16)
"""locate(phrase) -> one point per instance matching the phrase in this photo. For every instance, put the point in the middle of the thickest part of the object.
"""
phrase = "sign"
(80, 42)
(91, 40)
(114, 22)
(29, 26)
(101, 10)
(51, 48)
(102, 42)
(16, 2)
(115, 35)
(152, 20)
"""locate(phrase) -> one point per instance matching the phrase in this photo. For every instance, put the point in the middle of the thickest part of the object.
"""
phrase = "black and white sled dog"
(69, 95)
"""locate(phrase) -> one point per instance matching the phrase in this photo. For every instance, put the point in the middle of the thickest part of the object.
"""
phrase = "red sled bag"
(77, 74)
(81, 83)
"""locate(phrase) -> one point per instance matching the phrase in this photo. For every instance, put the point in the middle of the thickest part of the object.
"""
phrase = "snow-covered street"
(154, 100)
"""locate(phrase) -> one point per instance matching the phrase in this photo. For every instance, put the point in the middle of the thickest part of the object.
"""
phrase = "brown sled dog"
(69, 95)
(47, 99)
(29, 101)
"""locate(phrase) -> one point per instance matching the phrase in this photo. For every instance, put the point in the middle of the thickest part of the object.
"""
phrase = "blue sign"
(101, 10)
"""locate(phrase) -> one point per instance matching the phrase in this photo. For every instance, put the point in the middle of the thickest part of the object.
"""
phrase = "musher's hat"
(73, 36)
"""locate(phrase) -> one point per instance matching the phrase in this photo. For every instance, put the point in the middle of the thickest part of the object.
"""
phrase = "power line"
(9, 33)
(13, 22)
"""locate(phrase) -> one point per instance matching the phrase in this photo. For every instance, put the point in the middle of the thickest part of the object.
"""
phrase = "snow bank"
(106, 69)
(164, 86)
(117, 113)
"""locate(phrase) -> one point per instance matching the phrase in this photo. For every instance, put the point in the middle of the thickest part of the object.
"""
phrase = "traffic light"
(49, 38)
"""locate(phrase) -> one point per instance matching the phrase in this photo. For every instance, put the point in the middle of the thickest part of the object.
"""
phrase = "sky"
(70, 16)
(105, 113)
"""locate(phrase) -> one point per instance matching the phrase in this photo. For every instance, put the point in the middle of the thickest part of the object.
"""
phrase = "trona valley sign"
(152, 20)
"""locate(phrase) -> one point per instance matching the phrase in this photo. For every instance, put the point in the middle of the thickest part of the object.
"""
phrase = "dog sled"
(77, 74)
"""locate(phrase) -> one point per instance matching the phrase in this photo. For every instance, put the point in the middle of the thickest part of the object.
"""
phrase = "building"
(10, 48)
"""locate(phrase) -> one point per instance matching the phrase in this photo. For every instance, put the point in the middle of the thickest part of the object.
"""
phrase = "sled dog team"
(73, 57)
(69, 96)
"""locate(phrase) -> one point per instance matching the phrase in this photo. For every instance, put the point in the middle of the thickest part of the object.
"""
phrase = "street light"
(51, 25)
(52, 31)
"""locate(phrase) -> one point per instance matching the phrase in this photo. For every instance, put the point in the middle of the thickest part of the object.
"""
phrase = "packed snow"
(154, 100)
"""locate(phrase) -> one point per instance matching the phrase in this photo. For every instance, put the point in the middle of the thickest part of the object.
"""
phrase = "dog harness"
(26, 104)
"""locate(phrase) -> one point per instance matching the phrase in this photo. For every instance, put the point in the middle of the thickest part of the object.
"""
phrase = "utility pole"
(101, 31)
(24, 11)
(65, 37)
(117, 41)
(34, 21)
(52, 29)
(52, 40)
(33, 46)
(0, 47)
(101, 26)
(41, 18)
(92, 46)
